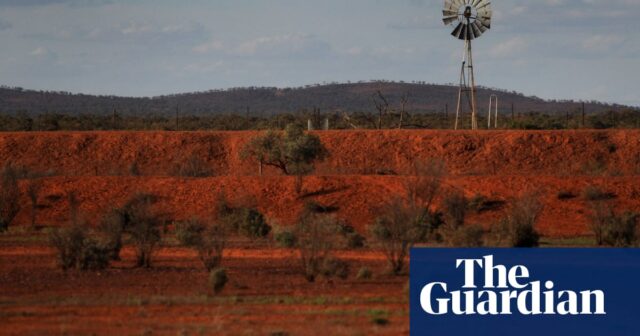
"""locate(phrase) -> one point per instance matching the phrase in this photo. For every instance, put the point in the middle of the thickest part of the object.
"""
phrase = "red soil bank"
(352, 152)
(498, 165)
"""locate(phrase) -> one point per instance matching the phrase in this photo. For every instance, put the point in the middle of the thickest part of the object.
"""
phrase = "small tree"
(246, 221)
(294, 152)
(209, 239)
(317, 236)
(75, 248)
(612, 229)
(143, 226)
(406, 221)
(9, 196)
(517, 229)
(455, 209)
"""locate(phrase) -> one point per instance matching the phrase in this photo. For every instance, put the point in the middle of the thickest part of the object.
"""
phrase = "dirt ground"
(266, 294)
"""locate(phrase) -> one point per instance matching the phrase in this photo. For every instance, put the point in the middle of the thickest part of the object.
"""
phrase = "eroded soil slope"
(352, 152)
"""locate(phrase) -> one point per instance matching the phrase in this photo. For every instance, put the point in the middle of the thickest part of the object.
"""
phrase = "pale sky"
(574, 49)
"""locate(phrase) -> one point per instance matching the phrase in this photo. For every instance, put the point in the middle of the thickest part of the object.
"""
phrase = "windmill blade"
(480, 27)
(476, 31)
(475, 3)
(485, 12)
(449, 12)
(449, 20)
(463, 32)
(486, 23)
(484, 5)
(470, 34)
(456, 32)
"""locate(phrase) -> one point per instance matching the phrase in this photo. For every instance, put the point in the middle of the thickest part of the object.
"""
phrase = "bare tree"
(404, 100)
(382, 105)
(408, 220)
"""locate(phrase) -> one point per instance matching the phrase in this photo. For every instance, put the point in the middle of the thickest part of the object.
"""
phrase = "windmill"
(471, 18)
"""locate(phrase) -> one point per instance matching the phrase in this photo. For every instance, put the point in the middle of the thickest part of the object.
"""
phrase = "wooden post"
(583, 116)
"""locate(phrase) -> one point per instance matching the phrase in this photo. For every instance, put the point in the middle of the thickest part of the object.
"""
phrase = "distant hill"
(259, 101)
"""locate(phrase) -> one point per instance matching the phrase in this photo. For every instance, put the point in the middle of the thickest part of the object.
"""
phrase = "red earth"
(267, 294)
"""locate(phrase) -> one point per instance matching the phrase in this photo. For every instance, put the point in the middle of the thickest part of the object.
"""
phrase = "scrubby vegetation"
(9, 196)
(611, 228)
(403, 222)
(207, 237)
(317, 235)
(76, 250)
(294, 153)
(218, 279)
(517, 228)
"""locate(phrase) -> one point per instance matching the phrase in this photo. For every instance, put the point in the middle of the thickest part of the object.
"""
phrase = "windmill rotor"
(470, 18)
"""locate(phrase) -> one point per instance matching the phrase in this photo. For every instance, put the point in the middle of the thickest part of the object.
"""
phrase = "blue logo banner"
(525, 292)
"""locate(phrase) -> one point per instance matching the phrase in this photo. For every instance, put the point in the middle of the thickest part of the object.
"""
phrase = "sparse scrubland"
(210, 233)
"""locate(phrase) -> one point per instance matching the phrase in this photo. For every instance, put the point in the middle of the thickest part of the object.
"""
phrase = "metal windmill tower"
(471, 18)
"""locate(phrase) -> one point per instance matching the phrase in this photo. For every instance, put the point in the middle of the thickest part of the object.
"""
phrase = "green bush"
(209, 240)
(252, 223)
(218, 279)
(75, 250)
(332, 266)
(285, 238)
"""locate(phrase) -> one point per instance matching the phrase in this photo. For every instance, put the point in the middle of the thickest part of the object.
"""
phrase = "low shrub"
(218, 279)
(209, 240)
(463, 236)
(248, 222)
(75, 250)
(565, 195)
(517, 229)
(455, 209)
(611, 229)
(285, 238)
(364, 273)
(333, 266)
(317, 236)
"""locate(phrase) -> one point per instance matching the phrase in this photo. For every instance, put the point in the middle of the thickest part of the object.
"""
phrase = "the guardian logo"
(494, 289)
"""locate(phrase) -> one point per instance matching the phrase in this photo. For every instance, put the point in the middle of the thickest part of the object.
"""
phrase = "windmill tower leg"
(460, 89)
(472, 88)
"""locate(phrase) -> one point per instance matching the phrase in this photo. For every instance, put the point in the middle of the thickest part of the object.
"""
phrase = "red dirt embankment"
(499, 165)
(352, 152)
(357, 198)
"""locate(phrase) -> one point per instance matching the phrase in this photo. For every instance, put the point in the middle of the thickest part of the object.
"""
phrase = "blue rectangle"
(614, 272)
